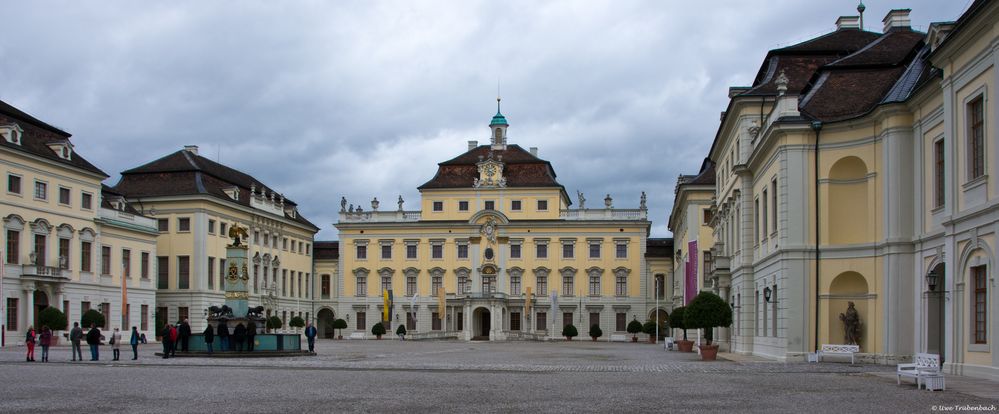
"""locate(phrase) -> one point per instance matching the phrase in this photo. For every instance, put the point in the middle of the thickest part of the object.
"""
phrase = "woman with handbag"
(45, 340)
(115, 344)
(29, 341)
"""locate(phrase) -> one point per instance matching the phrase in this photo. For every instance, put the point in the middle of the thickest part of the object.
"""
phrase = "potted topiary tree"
(595, 332)
(378, 330)
(55, 320)
(273, 323)
(92, 317)
(401, 332)
(708, 311)
(676, 321)
(296, 322)
(634, 327)
(649, 328)
(570, 332)
(341, 325)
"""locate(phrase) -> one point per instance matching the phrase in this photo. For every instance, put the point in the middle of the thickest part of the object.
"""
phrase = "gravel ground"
(392, 376)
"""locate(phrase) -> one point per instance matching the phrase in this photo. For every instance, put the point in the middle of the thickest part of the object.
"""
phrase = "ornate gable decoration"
(490, 172)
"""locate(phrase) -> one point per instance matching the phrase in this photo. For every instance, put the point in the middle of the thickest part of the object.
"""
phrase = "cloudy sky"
(363, 98)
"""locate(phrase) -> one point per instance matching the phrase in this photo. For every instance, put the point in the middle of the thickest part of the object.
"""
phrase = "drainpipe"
(817, 127)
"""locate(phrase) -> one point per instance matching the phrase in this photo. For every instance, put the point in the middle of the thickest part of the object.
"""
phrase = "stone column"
(29, 313)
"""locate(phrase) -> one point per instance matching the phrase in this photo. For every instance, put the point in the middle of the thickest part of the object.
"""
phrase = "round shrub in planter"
(676, 321)
(570, 331)
(649, 328)
(595, 332)
(273, 323)
(341, 325)
(92, 317)
(708, 311)
(296, 322)
(378, 330)
(634, 327)
(55, 320)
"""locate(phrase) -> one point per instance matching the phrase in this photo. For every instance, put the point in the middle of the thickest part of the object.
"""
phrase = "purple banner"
(690, 285)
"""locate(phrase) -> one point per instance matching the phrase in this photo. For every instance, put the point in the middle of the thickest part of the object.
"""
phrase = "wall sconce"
(348, 318)
(205, 312)
(931, 280)
(767, 295)
(397, 317)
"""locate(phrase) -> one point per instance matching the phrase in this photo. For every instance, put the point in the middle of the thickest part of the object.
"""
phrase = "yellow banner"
(386, 304)
(441, 301)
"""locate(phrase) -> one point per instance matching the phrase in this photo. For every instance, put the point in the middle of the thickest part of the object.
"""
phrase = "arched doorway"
(41, 302)
(935, 312)
(481, 324)
(663, 318)
(324, 323)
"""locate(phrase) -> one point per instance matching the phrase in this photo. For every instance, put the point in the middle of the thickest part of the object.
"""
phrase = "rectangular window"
(183, 313)
(773, 313)
(435, 321)
(541, 251)
(567, 285)
(41, 190)
(284, 282)
(13, 246)
(410, 321)
(126, 263)
(361, 324)
(85, 253)
(773, 206)
(436, 283)
(462, 251)
(64, 253)
(763, 214)
(594, 319)
(514, 321)
(144, 317)
(12, 314)
(459, 321)
(514, 251)
(40, 250)
(256, 237)
(362, 252)
(84, 307)
(183, 272)
(211, 273)
(411, 251)
(707, 217)
(594, 250)
(515, 205)
(462, 206)
(621, 285)
(620, 321)
(324, 289)
(566, 319)
(490, 205)
(438, 206)
(162, 272)
(362, 286)
(594, 285)
(541, 285)
(106, 311)
(386, 251)
(515, 285)
(106, 260)
(144, 266)
(976, 138)
(86, 201)
(221, 273)
(542, 321)
(222, 231)
(756, 220)
(184, 224)
(938, 173)
(284, 243)
(64, 194)
(211, 226)
(567, 250)
(163, 225)
(542, 205)
(621, 251)
(13, 184)
(437, 251)
(979, 304)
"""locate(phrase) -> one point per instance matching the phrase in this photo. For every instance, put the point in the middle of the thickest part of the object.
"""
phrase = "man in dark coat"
(167, 344)
(75, 335)
(239, 334)
(223, 333)
(310, 335)
(251, 331)
(185, 335)
(94, 340)
(209, 338)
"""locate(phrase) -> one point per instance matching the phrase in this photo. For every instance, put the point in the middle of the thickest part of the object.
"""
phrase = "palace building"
(858, 168)
(497, 235)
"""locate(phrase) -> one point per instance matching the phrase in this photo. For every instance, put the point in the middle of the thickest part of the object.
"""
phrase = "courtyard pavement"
(455, 376)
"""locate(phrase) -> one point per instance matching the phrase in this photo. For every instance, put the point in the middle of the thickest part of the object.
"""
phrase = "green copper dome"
(498, 119)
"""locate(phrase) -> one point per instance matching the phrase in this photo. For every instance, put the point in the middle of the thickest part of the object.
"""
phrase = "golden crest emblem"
(246, 274)
(233, 272)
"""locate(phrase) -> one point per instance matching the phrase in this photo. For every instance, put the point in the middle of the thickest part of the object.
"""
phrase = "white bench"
(618, 338)
(357, 335)
(925, 369)
(839, 350)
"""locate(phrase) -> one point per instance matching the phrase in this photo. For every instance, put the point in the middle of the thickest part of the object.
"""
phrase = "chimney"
(473, 145)
(193, 149)
(534, 151)
(897, 19)
(848, 22)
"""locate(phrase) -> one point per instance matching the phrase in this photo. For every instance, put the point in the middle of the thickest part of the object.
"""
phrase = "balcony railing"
(379, 216)
(605, 214)
(43, 271)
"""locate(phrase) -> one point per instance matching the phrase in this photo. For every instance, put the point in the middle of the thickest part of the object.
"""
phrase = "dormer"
(291, 212)
(62, 148)
(937, 33)
(12, 133)
(232, 192)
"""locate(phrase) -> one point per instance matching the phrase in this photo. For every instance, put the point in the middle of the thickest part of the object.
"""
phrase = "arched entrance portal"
(324, 324)
(663, 318)
(41, 302)
(935, 313)
(481, 324)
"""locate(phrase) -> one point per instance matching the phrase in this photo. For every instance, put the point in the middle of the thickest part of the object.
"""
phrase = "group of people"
(76, 336)
(241, 334)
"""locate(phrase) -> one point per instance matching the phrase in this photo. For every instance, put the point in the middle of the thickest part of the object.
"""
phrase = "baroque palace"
(858, 168)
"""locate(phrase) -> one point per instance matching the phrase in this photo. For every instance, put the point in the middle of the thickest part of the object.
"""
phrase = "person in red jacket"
(29, 341)
(173, 338)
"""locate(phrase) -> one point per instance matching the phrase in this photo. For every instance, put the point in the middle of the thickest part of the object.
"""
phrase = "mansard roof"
(521, 169)
(326, 250)
(659, 247)
(37, 136)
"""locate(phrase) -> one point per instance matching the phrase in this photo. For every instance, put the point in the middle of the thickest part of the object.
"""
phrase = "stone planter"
(685, 346)
(634, 339)
(709, 352)
(594, 338)
(379, 337)
(652, 339)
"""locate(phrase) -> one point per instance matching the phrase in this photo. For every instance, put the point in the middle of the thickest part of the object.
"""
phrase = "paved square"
(425, 376)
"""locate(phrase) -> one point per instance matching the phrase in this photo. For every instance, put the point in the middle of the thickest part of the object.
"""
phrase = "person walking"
(185, 335)
(75, 336)
(209, 338)
(223, 333)
(94, 341)
(174, 336)
(310, 335)
(239, 334)
(166, 341)
(45, 340)
(29, 342)
(116, 344)
(251, 331)
(134, 341)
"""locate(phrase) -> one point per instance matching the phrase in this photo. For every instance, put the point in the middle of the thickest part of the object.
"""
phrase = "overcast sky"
(363, 98)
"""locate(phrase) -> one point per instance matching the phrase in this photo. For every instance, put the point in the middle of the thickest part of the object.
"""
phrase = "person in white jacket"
(116, 343)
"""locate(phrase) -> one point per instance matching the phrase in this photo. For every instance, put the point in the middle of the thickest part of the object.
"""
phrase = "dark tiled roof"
(326, 250)
(705, 177)
(184, 173)
(521, 169)
(37, 135)
(659, 248)
(108, 193)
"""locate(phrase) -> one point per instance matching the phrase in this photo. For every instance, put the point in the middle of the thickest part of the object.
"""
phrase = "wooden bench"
(925, 369)
(839, 350)
(357, 335)
(618, 338)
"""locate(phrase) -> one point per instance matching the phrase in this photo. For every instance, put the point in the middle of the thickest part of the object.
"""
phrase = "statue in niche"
(851, 324)
(582, 200)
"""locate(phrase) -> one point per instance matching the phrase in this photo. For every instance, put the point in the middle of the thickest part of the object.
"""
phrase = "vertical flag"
(691, 287)
(441, 301)
(387, 305)
(412, 306)
(124, 297)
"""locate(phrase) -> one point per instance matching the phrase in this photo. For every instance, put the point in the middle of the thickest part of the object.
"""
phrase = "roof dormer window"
(63, 149)
(232, 192)
(12, 133)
